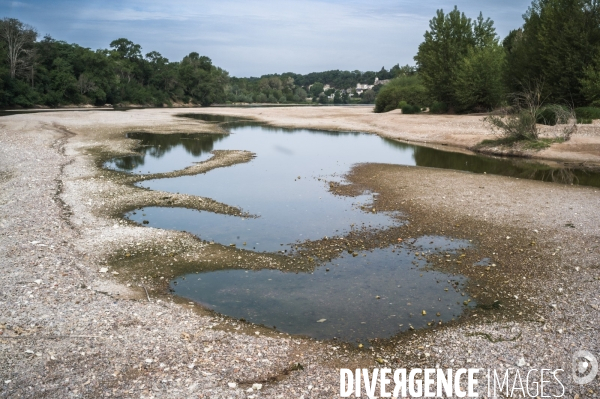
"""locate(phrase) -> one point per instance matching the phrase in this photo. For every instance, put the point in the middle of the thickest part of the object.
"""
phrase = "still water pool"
(352, 298)
(286, 188)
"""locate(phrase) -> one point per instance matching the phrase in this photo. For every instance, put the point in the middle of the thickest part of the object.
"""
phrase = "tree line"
(464, 66)
(52, 72)
(291, 87)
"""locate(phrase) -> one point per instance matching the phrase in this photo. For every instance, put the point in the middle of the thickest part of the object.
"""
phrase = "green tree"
(479, 83)
(64, 84)
(301, 93)
(201, 80)
(447, 42)
(368, 97)
(590, 82)
(316, 89)
(127, 49)
(404, 88)
(558, 43)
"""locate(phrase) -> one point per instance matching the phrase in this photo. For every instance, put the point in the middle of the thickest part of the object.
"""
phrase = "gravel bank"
(70, 328)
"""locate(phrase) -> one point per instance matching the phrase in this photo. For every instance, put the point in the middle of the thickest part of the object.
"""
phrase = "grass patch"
(540, 144)
(512, 142)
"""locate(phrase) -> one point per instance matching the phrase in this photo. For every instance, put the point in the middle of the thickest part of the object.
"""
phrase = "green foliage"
(478, 83)
(316, 89)
(322, 99)
(438, 107)
(447, 43)
(517, 126)
(368, 97)
(520, 122)
(552, 114)
(295, 87)
(587, 113)
(59, 73)
(534, 144)
(408, 89)
(558, 44)
(411, 109)
(590, 81)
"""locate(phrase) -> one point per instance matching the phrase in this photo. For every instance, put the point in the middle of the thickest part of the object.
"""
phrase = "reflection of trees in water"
(157, 145)
(129, 162)
(232, 122)
(213, 118)
(315, 131)
(434, 158)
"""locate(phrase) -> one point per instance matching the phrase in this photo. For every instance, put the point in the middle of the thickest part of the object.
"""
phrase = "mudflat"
(84, 312)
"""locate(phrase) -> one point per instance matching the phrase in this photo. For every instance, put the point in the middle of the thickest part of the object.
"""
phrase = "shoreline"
(58, 227)
(456, 133)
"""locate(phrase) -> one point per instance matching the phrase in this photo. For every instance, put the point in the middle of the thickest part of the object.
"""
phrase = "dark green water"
(345, 296)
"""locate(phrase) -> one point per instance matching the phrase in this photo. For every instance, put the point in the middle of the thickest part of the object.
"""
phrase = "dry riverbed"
(85, 309)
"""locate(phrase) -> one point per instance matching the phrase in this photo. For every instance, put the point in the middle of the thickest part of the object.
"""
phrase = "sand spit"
(70, 326)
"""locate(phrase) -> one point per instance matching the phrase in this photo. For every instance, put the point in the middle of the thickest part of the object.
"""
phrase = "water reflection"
(378, 295)
(371, 294)
(182, 150)
(405, 154)
(513, 167)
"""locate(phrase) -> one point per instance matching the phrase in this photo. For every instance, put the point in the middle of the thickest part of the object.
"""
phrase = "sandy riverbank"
(458, 131)
(70, 330)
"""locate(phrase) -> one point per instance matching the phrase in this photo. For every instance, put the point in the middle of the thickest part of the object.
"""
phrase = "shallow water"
(366, 148)
(346, 296)
(286, 190)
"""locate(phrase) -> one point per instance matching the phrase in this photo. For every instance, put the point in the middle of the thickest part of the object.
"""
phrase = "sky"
(257, 37)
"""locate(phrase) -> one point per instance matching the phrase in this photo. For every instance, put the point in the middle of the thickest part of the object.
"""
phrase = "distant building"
(360, 87)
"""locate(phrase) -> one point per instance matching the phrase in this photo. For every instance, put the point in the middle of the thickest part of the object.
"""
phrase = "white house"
(360, 87)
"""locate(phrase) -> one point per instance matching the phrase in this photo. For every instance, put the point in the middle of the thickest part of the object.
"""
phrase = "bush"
(552, 114)
(584, 121)
(587, 113)
(405, 88)
(438, 107)
(402, 104)
(520, 122)
(411, 109)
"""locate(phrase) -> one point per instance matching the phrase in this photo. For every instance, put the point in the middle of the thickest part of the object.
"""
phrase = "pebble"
(132, 325)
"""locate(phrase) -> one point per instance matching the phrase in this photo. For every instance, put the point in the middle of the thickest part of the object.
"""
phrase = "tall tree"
(201, 80)
(558, 42)
(447, 43)
(19, 39)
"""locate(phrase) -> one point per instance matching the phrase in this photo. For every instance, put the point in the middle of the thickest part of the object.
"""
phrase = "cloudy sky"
(255, 37)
